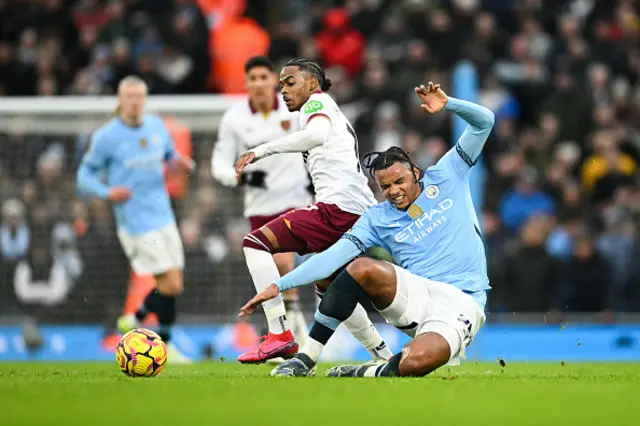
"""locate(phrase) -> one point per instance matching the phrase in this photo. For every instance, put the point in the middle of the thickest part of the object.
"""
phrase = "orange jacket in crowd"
(233, 39)
(181, 134)
(233, 42)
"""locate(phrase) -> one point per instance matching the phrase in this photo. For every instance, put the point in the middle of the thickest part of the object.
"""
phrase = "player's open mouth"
(397, 200)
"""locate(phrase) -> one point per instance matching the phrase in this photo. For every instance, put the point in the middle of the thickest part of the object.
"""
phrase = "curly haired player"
(329, 147)
(278, 183)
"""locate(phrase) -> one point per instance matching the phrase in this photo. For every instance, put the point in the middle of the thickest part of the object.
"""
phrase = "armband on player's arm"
(315, 133)
(321, 265)
(480, 122)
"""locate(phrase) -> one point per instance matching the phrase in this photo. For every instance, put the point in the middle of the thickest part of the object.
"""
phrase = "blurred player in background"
(132, 149)
(438, 291)
(330, 151)
(276, 185)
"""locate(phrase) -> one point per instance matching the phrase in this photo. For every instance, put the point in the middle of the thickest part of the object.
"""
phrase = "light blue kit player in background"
(132, 150)
(438, 290)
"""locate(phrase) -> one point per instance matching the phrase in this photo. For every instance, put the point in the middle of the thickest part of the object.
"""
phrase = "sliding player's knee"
(257, 240)
(361, 270)
(170, 283)
(372, 275)
(424, 355)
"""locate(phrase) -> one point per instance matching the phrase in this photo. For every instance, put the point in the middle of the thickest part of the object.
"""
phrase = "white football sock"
(298, 323)
(312, 348)
(264, 272)
(360, 325)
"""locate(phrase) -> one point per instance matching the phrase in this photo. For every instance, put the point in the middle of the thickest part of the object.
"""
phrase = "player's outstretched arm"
(317, 268)
(479, 119)
(315, 133)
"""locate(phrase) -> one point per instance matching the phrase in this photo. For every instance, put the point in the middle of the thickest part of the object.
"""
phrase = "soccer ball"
(141, 353)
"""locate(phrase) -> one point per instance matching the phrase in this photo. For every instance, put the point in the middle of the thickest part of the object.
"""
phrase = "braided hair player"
(329, 147)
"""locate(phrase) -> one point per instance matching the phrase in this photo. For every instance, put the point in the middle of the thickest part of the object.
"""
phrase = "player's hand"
(119, 194)
(266, 294)
(244, 160)
(433, 97)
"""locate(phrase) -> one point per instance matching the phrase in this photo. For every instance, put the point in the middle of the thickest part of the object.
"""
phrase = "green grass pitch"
(231, 394)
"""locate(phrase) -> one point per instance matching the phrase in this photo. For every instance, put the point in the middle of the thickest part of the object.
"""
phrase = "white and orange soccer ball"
(141, 353)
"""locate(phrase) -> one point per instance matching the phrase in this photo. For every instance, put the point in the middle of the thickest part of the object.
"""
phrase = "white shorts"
(422, 305)
(155, 252)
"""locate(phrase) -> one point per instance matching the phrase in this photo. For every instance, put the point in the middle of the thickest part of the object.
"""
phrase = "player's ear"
(416, 174)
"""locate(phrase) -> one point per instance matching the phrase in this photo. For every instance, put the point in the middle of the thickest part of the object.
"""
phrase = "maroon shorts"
(310, 229)
(258, 222)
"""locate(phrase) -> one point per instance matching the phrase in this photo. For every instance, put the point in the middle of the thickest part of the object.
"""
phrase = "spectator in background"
(531, 276)
(607, 168)
(587, 279)
(570, 104)
(561, 240)
(496, 241)
(339, 43)
(284, 43)
(618, 247)
(524, 201)
(14, 232)
(232, 42)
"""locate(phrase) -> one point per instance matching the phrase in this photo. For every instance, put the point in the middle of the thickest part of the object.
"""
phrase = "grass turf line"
(233, 394)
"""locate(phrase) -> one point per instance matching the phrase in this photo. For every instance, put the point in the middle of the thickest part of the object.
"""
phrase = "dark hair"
(258, 61)
(375, 161)
(313, 67)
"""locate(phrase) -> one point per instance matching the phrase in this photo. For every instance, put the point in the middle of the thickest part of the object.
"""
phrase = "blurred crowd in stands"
(562, 199)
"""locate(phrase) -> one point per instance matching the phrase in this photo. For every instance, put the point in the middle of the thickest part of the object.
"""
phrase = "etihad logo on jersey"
(421, 227)
(142, 162)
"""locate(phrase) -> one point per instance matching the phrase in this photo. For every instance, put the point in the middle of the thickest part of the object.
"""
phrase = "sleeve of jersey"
(315, 133)
(225, 152)
(362, 234)
(321, 265)
(88, 179)
(170, 148)
(469, 147)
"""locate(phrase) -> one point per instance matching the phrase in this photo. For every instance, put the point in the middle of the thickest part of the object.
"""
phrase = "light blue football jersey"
(133, 157)
(438, 237)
